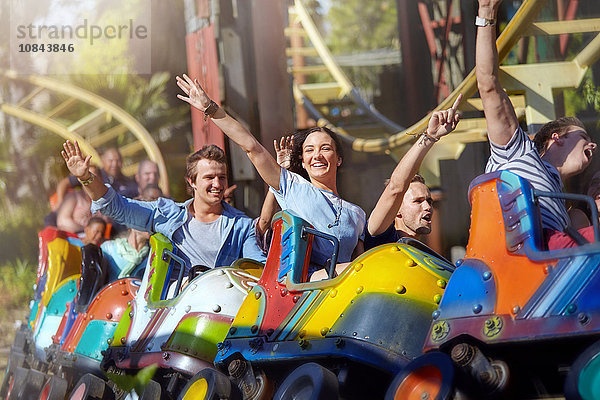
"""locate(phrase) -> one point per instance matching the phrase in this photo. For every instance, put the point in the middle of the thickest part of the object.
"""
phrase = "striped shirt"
(520, 156)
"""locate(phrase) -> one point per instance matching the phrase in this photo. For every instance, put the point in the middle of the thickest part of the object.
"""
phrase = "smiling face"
(319, 156)
(210, 181)
(414, 216)
(577, 149)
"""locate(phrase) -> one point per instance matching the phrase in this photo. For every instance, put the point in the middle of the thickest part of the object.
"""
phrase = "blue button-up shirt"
(166, 216)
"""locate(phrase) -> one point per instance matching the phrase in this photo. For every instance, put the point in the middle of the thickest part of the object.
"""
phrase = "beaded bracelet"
(423, 134)
(427, 136)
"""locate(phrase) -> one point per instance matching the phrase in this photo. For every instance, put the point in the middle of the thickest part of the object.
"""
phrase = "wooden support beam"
(30, 96)
(106, 136)
(562, 27)
(61, 108)
(98, 116)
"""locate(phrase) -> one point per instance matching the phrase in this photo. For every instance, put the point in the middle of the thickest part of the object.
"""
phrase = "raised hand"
(78, 165)
(443, 122)
(283, 150)
(196, 96)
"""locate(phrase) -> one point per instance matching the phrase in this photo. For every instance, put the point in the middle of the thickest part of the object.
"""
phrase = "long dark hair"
(299, 139)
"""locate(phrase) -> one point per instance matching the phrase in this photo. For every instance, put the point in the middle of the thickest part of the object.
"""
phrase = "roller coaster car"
(87, 325)
(56, 284)
(180, 333)
(354, 331)
(515, 319)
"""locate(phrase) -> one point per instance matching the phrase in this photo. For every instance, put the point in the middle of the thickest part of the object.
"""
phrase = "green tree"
(358, 26)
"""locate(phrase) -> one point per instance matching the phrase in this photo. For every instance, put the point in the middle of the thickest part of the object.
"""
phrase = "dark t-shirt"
(390, 235)
(123, 185)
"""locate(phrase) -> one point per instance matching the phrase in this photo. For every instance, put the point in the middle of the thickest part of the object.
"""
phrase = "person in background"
(413, 218)
(127, 256)
(74, 212)
(111, 173)
(151, 192)
(147, 174)
(579, 217)
(94, 231)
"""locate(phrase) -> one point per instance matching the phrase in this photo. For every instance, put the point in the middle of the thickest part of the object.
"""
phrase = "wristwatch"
(479, 21)
(211, 110)
(87, 181)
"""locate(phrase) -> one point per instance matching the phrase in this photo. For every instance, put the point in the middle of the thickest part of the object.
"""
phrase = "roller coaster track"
(530, 86)
(77, 114)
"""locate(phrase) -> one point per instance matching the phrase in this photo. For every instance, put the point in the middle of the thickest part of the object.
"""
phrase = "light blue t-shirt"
(199, 241)
(325, 211)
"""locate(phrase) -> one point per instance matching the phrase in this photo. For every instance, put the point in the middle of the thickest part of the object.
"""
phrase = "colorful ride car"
(343, 336)
(516, 319)
(177, 326)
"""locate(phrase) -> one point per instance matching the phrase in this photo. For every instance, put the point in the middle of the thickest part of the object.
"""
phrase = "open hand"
(78, 165)
(283, 150)
(443, 122)
(196, 96)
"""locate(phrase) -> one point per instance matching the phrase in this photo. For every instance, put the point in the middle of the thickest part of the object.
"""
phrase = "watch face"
(484, 21)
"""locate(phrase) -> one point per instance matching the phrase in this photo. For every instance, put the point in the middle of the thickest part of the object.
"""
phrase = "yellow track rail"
(87, 130)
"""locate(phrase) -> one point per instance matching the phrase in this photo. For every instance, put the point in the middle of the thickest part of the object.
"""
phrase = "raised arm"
(499, 112)
(441, 123)
(283, 151)
(259, 156)
(79, 166)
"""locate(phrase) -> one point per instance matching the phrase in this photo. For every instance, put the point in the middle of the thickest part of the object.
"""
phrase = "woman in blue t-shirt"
(316, 199)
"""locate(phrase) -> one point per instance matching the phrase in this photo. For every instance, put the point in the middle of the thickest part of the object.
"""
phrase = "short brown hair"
(416, 178)
(207, 152)
(559, 126)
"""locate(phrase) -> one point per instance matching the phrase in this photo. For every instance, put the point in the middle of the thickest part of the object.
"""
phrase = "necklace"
(338, 214)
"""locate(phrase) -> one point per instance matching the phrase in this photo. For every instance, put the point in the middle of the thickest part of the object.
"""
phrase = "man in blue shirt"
(207, 230)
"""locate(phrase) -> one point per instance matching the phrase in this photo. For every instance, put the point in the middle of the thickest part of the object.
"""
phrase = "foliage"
(145, 99)
(16, 282)
(18, 232)
(358, 26)
(591, 94)
(586, 98)
(137, 382)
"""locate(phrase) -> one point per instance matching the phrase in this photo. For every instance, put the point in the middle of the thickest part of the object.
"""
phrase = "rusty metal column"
(203, 64)
(272, 80)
